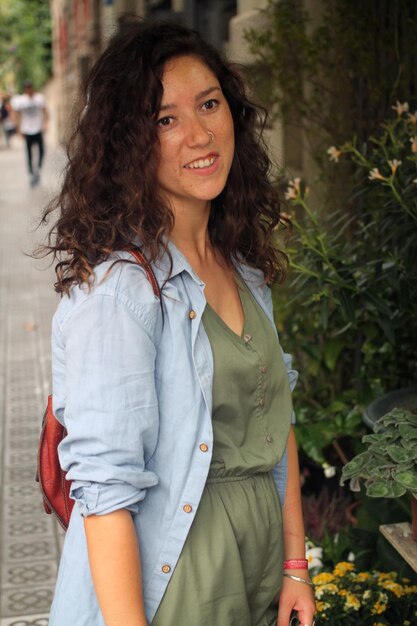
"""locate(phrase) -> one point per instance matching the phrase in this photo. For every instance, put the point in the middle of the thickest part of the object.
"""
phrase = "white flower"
(375, 174)
(314, 557)
(394, 164)
(400, 108)
(334, 154)
(415, 181)
(293, 189)
(351, 557)
(413, 141)
(413, 117)
(329, 470)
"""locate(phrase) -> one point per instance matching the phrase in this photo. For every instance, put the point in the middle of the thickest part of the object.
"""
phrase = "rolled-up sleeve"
(110, 407)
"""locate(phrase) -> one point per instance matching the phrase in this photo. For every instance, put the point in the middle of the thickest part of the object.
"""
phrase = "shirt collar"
(165, 271)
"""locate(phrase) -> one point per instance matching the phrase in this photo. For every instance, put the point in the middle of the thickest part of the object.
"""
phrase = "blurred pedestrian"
(7, 116)
(32, 116)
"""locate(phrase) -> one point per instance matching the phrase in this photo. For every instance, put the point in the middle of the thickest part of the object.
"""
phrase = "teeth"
(201, 163)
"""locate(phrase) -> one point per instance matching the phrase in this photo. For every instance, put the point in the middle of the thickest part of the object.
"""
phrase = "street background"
(30, 539)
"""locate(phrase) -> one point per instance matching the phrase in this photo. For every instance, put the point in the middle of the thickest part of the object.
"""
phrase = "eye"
(164, 121)
(210, 104)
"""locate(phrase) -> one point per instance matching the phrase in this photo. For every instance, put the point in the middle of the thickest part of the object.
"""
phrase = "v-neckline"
(240, 289)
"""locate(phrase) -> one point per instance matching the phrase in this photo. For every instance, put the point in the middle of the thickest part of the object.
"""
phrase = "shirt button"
(269, 439)
(192, 314)
(187, 508)
(263, 369)
(247, 338)
(261, 402)
(203, 447)
(166, 569)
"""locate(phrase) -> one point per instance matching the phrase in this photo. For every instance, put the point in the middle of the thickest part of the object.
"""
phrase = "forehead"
(186, 74)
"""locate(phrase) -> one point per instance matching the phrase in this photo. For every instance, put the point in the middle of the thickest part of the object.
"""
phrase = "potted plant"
(389, 464)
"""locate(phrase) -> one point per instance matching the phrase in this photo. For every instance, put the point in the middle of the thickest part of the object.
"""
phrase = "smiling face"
(196, 135)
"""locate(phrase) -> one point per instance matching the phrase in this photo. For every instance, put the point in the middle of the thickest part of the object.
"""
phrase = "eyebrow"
(200, 95)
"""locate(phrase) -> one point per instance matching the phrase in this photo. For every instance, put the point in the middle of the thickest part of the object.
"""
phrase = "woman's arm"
(295, 595)
(113, 552)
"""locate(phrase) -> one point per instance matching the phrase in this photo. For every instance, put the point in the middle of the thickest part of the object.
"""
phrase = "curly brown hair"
(110, 193)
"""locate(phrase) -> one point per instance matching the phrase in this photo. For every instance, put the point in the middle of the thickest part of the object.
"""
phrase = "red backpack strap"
(143, 261)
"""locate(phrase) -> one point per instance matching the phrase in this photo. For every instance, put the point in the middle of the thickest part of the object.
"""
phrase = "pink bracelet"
(295, 564)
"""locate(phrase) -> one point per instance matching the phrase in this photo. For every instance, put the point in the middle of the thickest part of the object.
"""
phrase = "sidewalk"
(30, 539)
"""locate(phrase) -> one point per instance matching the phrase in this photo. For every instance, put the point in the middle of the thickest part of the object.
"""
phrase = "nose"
(197, 133)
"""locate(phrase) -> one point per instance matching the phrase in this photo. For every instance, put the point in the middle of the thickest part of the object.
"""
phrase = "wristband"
(295, 564)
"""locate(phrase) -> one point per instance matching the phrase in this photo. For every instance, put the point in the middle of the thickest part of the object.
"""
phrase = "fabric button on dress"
(166, 569)
(203, 447)
(263, 369)
(261, 402)
(192, 314)
(187, 508)
(269, 439)
(247, 338)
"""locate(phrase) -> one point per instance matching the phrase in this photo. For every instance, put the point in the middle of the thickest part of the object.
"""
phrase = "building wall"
(81, 29)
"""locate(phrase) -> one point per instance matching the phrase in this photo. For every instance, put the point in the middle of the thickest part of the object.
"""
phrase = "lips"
(202, 162)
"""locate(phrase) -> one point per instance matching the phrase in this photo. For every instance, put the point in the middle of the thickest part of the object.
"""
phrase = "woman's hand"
(296, 596)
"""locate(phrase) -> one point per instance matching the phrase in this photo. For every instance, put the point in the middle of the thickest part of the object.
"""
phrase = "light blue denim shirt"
(133, 388)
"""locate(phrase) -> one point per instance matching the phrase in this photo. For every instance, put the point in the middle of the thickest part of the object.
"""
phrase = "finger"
(284, 616)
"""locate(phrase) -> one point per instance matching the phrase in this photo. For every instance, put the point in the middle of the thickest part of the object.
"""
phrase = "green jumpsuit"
(230, 570)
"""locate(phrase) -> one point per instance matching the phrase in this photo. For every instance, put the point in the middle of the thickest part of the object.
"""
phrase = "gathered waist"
(213, 478)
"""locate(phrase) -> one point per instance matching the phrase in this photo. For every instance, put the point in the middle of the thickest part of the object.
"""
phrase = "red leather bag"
(52, 480)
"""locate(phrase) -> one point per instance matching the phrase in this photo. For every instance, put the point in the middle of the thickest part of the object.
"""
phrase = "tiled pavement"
(29, 539)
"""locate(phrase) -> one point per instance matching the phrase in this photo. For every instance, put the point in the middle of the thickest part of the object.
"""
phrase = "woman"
(178, 411)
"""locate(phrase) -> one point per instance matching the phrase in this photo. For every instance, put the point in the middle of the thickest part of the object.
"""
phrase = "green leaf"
(407, 479)
(378, 303)
(356, 466)
(345, 301)
(331, 351)
(407, 431)
(384, 489)
(398, 454)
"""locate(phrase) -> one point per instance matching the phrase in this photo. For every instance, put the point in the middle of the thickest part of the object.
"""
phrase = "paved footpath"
(29, 539)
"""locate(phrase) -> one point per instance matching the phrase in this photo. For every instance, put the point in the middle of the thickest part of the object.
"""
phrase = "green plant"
(389, 464)
(349, 311)
(333, 69)
(345, 597)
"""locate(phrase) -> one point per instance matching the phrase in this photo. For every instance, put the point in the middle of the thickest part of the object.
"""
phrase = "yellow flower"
(375, 174)
(334, 154)
(413, 141)
(390, 585)
(343, 567)
(352, 602)
(362, 577)
(378, 608)
(410, 589)
(366, 594)
(400, 108)
(329, 588)
(378, 624)
(394, 164)
(323, 578)
(387, 576)
(322, 606)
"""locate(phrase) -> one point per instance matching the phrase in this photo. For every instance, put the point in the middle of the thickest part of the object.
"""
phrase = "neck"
(190, 232)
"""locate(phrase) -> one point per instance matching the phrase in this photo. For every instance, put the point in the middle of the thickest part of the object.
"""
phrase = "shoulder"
(118, 283)
(39, 98)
